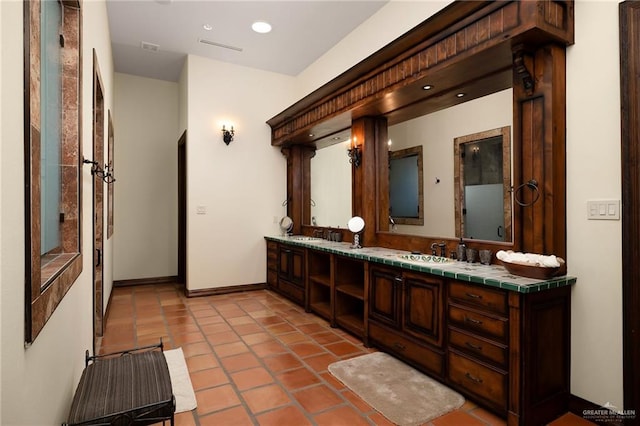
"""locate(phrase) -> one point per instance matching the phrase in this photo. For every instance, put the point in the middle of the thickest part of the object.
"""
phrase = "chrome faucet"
(443, 249)
(393, 224)
(434, 251)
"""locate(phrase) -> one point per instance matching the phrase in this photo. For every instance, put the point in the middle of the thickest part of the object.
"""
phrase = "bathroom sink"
(424, 258)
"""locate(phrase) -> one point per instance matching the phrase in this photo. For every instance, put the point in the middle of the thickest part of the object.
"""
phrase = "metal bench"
(131, 387)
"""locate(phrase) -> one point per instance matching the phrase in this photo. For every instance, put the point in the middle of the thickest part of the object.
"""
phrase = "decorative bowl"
(532, 271)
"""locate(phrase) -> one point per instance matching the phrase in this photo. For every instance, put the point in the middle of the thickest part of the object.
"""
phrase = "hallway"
(255, 358)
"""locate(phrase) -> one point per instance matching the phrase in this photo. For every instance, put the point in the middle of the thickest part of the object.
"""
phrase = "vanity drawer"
(396, 343)
(480, 380)
(494, 300)
(479, 347)
(477, 322)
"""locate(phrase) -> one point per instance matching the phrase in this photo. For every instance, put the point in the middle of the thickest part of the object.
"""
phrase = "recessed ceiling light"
(207, 27)
(427, 87)
(311, 135)
(460, 95)
(261, 27)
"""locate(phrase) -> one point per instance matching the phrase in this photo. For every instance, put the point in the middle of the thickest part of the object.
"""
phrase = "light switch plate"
(201, 209)
(603, 209)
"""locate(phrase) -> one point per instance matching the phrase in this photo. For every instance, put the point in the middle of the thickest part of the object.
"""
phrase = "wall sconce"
(105, 174)
(354, 155)
(227, 135)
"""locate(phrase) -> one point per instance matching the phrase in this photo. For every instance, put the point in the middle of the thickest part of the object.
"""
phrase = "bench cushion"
(124, 389)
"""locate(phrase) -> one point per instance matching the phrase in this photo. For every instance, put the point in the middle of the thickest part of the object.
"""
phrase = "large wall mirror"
(331, 182)
(483, 185)
(436, 133)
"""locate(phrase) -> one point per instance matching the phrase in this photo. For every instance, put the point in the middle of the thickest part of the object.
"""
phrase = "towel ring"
(532, 184)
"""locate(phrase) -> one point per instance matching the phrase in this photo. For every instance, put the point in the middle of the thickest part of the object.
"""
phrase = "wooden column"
(368, 133)
(299, 184)
(539, 129)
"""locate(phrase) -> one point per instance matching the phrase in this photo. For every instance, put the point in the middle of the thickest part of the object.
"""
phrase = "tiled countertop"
(489, 275)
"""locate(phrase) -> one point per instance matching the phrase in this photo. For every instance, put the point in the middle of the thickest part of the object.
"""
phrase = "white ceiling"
(302, 32)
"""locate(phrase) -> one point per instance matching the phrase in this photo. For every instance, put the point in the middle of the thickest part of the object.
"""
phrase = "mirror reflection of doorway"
(482, 178)
(483, 212)
(406, 194)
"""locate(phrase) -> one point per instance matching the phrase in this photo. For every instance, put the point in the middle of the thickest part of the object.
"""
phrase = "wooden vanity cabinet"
(405, 316)
(509, 351)
(291, 272)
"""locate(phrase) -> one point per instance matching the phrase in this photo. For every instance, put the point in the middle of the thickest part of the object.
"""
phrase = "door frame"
(629, 14)
(182, 209)
(98, 203)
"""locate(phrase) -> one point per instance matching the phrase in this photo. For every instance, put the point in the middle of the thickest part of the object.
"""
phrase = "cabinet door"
(384, 296)
(422, 308)
(283, 262)
(297, 267)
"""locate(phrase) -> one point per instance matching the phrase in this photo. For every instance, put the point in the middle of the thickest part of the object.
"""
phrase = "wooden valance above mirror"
(471, 47)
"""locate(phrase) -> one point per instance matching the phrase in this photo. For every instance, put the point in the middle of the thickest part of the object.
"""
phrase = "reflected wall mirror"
(406, 196)
(331, 183)
(483, 185)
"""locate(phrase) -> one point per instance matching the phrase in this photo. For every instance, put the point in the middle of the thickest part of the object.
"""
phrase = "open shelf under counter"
(321, 279)
(352, 322)
(355, 291)
(321, 308)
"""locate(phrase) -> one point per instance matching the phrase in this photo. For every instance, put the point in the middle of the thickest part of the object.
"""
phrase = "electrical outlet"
(201, 210)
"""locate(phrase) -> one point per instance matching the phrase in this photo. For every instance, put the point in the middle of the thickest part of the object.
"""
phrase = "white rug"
(399, 392)
(180, 380)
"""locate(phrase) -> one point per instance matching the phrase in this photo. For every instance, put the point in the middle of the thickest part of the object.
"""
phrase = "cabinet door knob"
(473, 378)
(474, 347)
(474, 296)
(472, 320)
(399, 346)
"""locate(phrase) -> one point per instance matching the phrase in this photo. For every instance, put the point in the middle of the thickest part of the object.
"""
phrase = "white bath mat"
(180, 380)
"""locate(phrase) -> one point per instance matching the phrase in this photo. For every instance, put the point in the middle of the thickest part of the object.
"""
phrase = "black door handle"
(99, 256)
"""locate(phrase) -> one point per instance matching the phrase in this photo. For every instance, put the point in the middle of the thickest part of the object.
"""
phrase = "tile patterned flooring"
(256, 358)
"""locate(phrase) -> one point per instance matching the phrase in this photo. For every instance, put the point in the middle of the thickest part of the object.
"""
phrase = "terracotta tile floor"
(256, 359)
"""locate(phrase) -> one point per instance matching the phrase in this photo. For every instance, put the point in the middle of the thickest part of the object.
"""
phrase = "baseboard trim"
(146, 281)
(225, 290)
(580, 407)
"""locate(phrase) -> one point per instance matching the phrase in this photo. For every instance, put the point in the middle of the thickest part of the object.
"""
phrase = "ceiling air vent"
(149, 46)
(224, 46)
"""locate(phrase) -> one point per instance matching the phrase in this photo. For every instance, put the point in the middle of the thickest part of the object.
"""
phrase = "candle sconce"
(227, 135)
(105, 174)
(355, 155)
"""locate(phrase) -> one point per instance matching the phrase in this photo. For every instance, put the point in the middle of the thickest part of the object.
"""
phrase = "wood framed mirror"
(482, 182)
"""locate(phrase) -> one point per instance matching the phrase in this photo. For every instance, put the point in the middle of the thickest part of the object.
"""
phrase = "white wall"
(241, 186)
(593, 171)
(146, 129)
(436, 132)
(38, 382)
